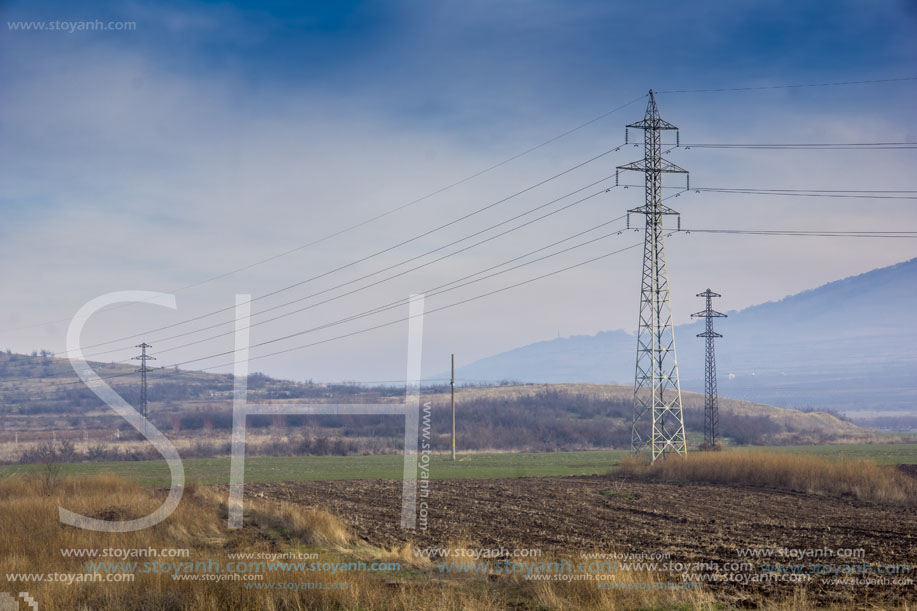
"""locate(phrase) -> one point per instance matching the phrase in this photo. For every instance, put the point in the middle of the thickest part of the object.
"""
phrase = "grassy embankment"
(860, 478)
(32, 539)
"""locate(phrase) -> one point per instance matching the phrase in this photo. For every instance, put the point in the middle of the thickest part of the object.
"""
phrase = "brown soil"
(690, 522)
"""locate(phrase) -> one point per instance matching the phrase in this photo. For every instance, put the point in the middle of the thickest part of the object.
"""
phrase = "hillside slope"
(789, 425)
(848, 345)
(39, 394)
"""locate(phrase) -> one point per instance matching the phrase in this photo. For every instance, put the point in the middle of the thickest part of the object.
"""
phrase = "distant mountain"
(848, 345)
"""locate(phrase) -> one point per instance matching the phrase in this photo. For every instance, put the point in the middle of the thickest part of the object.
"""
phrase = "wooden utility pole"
(453, 408)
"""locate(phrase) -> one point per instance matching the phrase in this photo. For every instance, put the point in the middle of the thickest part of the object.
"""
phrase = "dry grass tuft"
(405, 554)
(611, 588)
(310, 525)
(861, 479)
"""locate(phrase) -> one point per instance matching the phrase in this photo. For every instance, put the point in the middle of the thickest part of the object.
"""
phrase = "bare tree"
(52, 456)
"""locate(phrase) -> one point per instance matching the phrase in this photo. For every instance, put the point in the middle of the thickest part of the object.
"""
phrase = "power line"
(431, 292)
(906, 194)
(818, 146)
(379, 310)
(789, 192)
(852, 195)
(439, 309)
(439, 289)
(370, 256)
(807, 190)
(792, 86)
(811, 233)
(556, 272)
(378, 216)
(404, 272)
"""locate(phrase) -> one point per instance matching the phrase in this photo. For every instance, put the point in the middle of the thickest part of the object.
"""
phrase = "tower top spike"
(651, 119)
(652, 111)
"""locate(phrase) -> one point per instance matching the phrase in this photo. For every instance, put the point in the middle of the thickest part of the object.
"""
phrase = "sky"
(184, 141)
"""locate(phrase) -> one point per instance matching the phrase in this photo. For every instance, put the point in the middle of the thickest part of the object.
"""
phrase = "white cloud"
(120, 174)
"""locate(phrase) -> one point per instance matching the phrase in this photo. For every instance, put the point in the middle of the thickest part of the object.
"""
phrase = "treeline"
(40, 364)
(65, 451)
(63, 394)
(550, 420)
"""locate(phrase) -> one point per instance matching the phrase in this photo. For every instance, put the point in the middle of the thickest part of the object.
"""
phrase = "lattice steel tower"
(711, 414)
(656, 388)
(143, 358)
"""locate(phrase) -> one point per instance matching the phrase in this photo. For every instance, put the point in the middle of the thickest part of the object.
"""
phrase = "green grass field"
(390, 466)
(300, 468)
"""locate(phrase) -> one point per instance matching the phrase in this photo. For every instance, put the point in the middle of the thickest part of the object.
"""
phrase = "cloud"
(219, 136)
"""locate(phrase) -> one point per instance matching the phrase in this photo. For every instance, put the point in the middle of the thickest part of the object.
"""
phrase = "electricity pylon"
(143, 358)
(656, 387)
(711, 413)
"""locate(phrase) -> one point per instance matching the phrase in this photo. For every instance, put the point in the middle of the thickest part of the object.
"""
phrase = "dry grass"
(32, 537)
(861, 479)
(405, 554)
(310, 525)
(188, 443)
(635, 590)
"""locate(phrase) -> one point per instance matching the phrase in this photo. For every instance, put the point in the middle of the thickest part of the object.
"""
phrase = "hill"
(741, 421)
(39, 398)
(847, 346)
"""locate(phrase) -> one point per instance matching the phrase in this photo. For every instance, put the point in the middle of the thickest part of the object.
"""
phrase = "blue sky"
(214, 135)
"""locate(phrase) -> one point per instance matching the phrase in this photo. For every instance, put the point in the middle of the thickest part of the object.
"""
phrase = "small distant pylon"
(711, 413)
(143, 358)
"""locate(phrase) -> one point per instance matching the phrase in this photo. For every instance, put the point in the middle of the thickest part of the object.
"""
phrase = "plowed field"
(813, 538)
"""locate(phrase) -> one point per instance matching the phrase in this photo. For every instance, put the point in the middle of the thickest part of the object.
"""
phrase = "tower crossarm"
(659, 209)
(656, 123)
(664, 166)
(709, 314)
(651, 119)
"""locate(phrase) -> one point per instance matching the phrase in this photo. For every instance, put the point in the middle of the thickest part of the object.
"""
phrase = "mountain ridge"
(803, 350)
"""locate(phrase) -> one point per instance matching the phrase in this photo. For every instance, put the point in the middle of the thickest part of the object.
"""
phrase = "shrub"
(861, 479)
